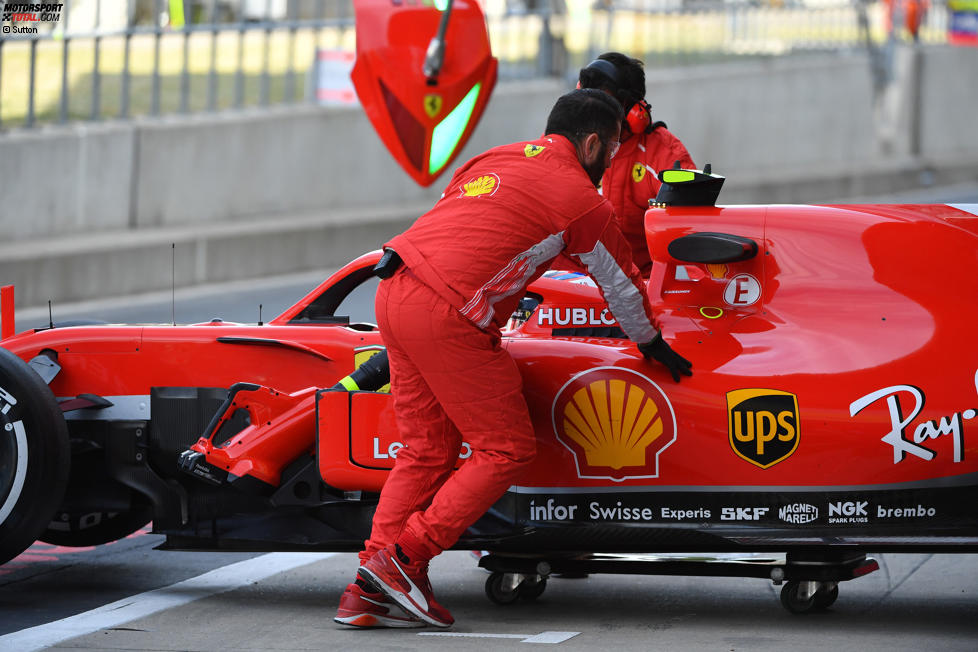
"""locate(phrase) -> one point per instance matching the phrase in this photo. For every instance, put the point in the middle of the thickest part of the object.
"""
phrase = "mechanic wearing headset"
(646, 149)
(466, 263)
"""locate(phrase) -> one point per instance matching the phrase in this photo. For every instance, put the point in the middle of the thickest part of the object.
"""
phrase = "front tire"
(35, 456)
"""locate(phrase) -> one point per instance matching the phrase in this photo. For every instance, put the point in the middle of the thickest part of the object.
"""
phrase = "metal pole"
(212, 75)
(239, 75)
(124, 91)
(63, 112)
(1, 79)
(96, 76)
(185, 74)
(30, 92)
(289, 93)
(155, 101)
(263, 93)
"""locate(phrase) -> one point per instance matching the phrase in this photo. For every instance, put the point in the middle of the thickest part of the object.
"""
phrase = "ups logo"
(763, 425)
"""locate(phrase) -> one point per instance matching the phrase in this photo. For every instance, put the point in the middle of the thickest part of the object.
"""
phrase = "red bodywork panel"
(834, 377)
(424, 122)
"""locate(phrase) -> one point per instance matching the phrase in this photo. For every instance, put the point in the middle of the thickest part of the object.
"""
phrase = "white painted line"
(551, 638)
(473, 635)
(132, 608)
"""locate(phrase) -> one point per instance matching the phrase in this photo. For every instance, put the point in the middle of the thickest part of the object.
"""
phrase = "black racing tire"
(93, 528)
(35, 457)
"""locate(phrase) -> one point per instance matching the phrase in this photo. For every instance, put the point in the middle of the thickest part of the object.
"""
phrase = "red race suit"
(503, 218)
(632, 180)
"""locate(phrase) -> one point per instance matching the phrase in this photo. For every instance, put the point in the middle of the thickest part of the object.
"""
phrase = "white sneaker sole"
(369, 621)
(402, 600)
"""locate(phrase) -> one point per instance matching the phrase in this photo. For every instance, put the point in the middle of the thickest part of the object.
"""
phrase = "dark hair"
(626, 81)
(582, 112)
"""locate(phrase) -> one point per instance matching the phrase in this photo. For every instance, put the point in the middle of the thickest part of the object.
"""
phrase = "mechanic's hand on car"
(658, 349)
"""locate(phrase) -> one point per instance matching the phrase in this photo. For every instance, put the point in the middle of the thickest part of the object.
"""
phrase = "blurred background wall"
(150, 143)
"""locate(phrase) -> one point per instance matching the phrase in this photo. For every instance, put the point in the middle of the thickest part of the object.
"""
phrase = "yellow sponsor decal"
(487, 184)
(616, 422)
(532, 150)
(638, 172)
(717, 271)
(432, 104)
(763, 425)
(363, 354)
(677, 176)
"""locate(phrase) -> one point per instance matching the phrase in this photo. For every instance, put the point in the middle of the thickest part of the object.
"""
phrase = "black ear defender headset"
(639, 115)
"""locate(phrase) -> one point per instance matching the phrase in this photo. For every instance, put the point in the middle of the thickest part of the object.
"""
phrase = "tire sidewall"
(30, 416)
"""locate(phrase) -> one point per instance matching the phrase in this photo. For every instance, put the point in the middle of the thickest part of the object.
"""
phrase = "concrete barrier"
(103, 209)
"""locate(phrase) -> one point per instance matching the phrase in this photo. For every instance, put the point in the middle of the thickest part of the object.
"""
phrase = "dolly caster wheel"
(507, 588)
(808, 597)
(826, 597)
(531, 588)
(502, 589)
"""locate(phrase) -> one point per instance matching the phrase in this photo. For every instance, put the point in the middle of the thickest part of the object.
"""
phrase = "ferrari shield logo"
(638, 172)
(763, 425)
(532, 150)
(432, 104)
(615, 421)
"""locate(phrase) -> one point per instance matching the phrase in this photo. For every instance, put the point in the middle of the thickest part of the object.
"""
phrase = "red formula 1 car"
(832, 411)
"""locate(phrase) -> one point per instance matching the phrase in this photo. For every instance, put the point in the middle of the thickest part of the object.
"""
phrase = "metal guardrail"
(103, 59)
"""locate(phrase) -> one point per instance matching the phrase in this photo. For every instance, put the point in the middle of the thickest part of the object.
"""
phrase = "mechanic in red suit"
(456, 277)
(647, 148)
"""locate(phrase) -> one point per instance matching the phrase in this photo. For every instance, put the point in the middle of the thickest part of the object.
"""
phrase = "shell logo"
(486, 184)
(532, 150)
(638, 172)
(615, 421)
(718, 271)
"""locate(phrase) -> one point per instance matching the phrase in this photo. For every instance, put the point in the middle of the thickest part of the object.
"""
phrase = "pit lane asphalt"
(915, 602)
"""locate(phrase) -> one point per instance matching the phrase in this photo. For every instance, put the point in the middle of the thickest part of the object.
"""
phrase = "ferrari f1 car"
(832, 412)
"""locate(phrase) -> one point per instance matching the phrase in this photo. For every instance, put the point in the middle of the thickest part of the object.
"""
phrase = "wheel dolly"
(809, 579)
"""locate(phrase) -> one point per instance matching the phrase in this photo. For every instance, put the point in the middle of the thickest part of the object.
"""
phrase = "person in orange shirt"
(647, 148)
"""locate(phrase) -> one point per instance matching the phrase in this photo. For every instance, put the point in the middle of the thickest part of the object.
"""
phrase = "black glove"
(658, 349)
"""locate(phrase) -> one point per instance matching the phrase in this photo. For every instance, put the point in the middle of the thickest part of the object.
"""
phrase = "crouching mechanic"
(457, 275)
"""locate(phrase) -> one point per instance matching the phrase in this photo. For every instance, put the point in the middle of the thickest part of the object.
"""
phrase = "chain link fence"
(94, 60)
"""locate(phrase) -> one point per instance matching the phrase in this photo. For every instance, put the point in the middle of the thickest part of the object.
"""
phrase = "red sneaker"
(406, 584)
(359, 608)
